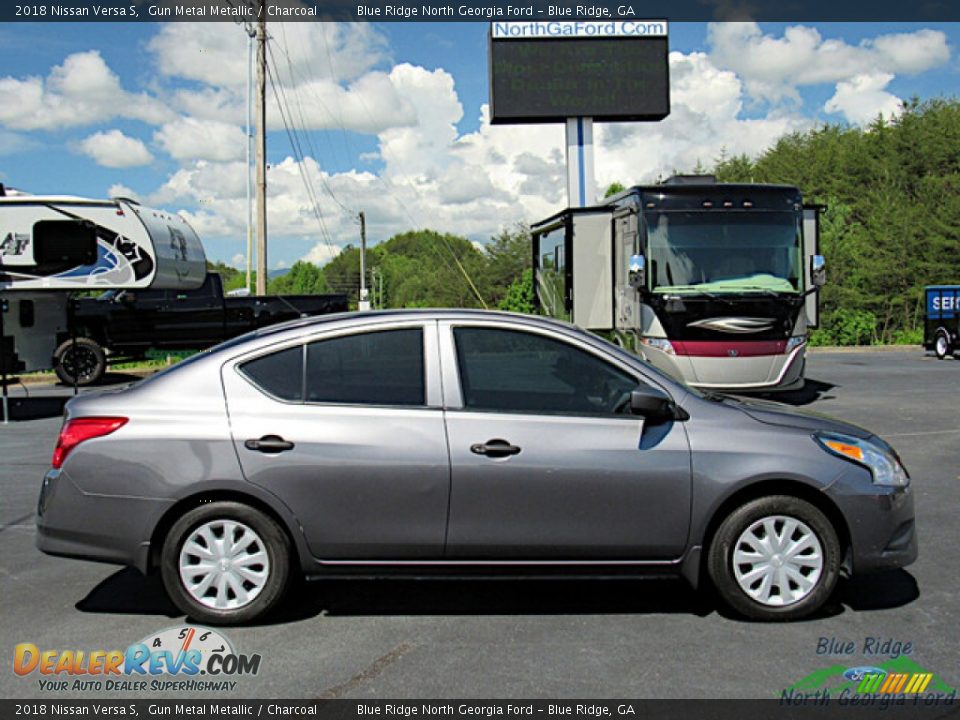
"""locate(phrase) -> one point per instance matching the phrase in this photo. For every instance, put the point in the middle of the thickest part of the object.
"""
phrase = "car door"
(347, 429)
(546, 461)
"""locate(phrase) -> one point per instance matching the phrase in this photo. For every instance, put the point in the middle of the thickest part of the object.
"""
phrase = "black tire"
(720, 563)
(274, 541)
(85, 351)
(942, 347)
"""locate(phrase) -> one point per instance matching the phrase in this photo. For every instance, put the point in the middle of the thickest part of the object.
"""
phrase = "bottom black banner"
(815, 705)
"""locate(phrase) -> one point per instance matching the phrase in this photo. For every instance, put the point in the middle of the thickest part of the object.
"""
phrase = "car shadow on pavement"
(492, 596)
(811, 391)
(128, 592)
(880, 591)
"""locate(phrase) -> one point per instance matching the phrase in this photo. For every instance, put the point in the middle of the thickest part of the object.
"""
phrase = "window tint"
(280, 374)
(375, 368)
(513, 371)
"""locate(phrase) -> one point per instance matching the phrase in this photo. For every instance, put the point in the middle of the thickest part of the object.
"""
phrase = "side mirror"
(637, 274)
(818, 270)
(653, 404)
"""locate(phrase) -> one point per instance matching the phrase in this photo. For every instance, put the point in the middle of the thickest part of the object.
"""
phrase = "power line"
(297, 148)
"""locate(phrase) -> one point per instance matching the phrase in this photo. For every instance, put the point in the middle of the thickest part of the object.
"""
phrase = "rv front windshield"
(724, 252)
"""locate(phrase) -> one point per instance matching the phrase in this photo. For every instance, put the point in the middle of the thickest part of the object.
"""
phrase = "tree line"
(892, 223)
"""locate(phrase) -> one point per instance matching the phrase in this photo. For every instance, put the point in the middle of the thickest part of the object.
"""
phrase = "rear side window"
(279, 374)
(374, 368)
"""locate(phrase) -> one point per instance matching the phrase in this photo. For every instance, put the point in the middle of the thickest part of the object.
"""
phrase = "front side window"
(516, 371)
(373, 368)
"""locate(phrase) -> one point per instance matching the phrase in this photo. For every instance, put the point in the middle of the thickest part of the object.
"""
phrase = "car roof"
(412, 313)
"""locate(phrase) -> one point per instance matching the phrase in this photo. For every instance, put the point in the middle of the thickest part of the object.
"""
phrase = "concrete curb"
(864, 348)
(51, 379)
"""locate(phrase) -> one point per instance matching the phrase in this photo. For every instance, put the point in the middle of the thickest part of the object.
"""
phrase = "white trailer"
(53, 245)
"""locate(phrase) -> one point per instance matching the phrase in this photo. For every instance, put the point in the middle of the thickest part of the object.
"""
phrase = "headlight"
(661, 344)
(795, 342)
(882, 462)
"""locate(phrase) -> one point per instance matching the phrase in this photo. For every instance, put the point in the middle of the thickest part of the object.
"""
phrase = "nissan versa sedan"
(454, 441)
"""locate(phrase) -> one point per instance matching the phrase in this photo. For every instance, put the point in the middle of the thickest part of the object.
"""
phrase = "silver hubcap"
(941, 345)
(777, 561)
(224, 565)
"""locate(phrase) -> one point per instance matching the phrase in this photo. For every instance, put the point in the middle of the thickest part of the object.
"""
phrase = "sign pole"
(581, 184)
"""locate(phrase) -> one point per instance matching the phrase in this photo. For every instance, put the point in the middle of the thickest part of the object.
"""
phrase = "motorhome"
(53, 245)
(715, 283)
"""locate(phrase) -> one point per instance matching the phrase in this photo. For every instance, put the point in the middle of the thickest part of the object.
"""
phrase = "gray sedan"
(431, 441)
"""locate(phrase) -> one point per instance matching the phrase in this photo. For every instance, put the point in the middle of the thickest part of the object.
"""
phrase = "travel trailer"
(51, 246)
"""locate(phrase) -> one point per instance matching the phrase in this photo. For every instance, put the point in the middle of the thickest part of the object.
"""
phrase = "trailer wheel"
(942, 345)
(82, 357)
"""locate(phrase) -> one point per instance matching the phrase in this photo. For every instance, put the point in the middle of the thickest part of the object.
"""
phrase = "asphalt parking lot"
(532, 639)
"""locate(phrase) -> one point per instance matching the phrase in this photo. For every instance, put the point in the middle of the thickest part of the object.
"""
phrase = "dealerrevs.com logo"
(181, 659)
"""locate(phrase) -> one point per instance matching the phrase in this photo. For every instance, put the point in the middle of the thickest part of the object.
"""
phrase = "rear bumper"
(103, 528)
(880, 520)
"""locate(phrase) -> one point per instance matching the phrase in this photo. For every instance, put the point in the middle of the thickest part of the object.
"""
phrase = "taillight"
(80, 429)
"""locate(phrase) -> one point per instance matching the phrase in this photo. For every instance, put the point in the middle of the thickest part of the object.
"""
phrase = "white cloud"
(705, 120)
(862, 98)
(12, 143)
(113, 149)
(472, 184)
(239, 260)
(475, 183)
(321, 253)
(120, 190)
(772, 68)
(81, 91)
(215, 54)
(190, 139)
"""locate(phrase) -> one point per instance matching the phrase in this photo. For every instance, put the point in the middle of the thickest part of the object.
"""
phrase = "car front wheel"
(775, 558)
(225, 563)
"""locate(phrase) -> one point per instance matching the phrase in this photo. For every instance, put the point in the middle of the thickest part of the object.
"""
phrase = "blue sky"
(390, 117)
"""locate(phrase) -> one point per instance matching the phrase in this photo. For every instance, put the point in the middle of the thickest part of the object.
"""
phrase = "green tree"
(613, 188)
(303, 278)
(519, 297)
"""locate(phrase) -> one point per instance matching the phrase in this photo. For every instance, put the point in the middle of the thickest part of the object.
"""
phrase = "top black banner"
(479, 10)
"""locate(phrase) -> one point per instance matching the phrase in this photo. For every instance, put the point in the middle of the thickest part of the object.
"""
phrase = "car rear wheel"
(81, 358)
(775, 558)
(225, 563)
(941, 345)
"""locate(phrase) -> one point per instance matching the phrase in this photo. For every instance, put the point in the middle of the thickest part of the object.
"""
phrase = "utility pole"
(261, 152)
(251, 34)
(364, 302)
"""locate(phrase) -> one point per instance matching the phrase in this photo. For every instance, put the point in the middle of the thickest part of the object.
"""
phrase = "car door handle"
(495, 448)
(270, 444)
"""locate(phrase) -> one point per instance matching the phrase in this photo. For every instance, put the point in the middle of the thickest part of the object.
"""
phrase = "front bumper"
(880, 520)
(759, 373)
(104, 528)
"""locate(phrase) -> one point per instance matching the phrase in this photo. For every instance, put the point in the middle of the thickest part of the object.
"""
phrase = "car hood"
(774, 413)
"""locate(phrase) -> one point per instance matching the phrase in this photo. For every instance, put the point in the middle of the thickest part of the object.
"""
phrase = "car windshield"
(732, 252)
